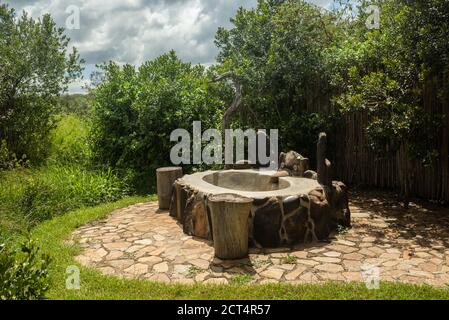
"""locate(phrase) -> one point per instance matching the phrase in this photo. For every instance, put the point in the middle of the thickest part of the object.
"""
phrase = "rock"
(200, 219)
(158, 237)
(352, 276)
(308, 277)
(137, 269)
(121, 264)
(352, 265)
(273, 273)
(279, 174)
(294, 163)
(321, 215)
(201, 276)
(173, 208)
(200, 263)
(327, 259)
(150, 260)
(114, 255)
(295, 273)
(267, 223)
(289, 159)
(260, 201)
(181, 268)
(346, 242)
(195, 217)
(428, 267)
(353, 256)
(332, 254)
(161, 267)
(291, 204)
(300, 254)
(295, 227)
(96, 255)
(309, 174)
(330, 267)
(340, 204)
(144, 241)
(122, 246)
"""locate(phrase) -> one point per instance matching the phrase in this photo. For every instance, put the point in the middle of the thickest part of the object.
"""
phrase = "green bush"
(9, 160)
(23, 273)
(135, 111)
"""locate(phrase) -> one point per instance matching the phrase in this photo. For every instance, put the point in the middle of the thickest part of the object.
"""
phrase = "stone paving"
(407, 246)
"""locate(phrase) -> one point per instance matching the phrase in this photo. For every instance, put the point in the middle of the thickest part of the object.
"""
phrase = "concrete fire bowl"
(284, 211)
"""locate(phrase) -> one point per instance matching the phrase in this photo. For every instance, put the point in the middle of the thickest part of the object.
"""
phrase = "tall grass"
(68, 181)
(30, 196)
(69, 141)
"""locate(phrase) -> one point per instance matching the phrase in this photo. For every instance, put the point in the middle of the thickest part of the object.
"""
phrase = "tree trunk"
(229, 215)
(236, 103)
(165, 179)
(324, 166)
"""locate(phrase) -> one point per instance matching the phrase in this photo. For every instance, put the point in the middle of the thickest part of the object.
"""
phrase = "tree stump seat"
(166, 177)
(229, 217)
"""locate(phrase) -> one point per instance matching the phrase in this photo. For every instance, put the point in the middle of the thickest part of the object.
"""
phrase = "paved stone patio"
(408, 246)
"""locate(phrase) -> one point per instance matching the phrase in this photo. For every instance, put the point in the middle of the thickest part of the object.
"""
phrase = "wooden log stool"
(165, 178)
(229, 217)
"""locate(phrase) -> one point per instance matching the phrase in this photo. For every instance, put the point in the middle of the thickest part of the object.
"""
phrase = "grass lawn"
(50, 236)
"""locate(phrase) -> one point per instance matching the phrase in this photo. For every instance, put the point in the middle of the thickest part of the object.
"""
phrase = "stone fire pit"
(285, 210)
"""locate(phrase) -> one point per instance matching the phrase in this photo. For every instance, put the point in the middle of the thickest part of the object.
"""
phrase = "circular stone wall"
(285, 211)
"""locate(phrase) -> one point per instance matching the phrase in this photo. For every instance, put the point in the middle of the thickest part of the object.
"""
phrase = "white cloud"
(133, 31)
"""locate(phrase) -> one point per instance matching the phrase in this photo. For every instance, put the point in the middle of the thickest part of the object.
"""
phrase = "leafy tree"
(276, 51)
(385, 73)
(136, 109)
(292, 57)
(35, 67)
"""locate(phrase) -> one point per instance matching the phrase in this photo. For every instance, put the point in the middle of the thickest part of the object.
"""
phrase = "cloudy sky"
(133, 31)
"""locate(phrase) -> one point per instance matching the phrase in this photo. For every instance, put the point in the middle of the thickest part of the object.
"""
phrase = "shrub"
(135, 111)
(9, 160)
(23, 273)
(69, 142)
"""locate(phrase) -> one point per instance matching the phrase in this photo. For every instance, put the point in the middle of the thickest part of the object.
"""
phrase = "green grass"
(69, 141)
(66, 181)
(30, 196)
(50, 235)
(289, 259)
(194, 271)
(241, 278)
